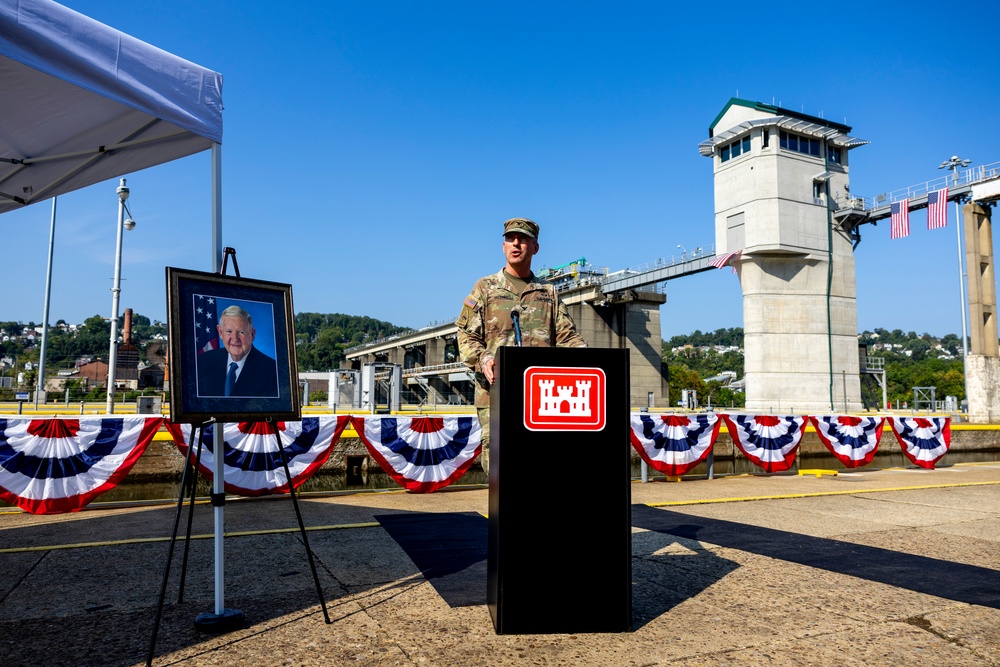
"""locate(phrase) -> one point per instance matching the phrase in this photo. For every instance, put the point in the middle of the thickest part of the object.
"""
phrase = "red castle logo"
(564, 399)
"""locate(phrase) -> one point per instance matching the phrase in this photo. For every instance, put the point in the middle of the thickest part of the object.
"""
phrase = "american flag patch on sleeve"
(471, 302)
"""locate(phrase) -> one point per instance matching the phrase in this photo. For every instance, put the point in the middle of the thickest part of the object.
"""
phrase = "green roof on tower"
(778, 111)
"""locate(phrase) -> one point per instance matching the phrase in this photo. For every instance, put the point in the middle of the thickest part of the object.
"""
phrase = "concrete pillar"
(788, 340)
(629, 320)
(982, 366)
(434, 352)
(982, 280)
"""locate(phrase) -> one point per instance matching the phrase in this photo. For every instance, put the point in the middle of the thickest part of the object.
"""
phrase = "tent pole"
(219, 477)
(223, 620)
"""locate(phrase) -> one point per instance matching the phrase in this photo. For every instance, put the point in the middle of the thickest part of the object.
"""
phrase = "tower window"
(833, 154)
(799, 144)
(735, 149)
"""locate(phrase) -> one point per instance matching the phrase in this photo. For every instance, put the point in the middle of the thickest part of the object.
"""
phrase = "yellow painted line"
(785, 496)
(147, 540)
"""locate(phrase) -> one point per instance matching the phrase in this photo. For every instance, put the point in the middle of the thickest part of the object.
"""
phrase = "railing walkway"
(685, 264)
(959, 186)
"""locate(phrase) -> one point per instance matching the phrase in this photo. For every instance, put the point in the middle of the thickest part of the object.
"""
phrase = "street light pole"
(116, 289)
(953, 163)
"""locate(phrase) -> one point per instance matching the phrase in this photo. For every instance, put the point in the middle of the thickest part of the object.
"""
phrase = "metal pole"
(844, 376)
(961, 290)
(45, 310)
(218, 443)
(885, 392)
(115, 292)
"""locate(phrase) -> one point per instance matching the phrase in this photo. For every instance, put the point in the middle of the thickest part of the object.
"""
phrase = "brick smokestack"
(127, 331)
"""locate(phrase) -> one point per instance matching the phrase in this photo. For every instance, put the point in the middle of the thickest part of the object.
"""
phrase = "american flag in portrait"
(900, 219)
(205, 334)
(937, 209)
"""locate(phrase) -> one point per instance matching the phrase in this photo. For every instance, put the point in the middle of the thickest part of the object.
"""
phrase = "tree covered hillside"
(321, 339)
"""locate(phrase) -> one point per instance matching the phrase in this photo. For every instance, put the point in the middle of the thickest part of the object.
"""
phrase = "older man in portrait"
(237, 368)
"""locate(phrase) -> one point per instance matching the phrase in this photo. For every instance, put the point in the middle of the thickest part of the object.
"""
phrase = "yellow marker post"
(819, 472)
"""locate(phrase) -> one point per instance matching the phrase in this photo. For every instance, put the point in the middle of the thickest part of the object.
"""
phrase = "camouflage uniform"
(485, 325)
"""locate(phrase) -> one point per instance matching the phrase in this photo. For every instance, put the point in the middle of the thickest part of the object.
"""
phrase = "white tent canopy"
(84, 103)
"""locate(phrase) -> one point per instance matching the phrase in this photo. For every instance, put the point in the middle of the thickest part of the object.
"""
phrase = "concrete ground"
(889, 567)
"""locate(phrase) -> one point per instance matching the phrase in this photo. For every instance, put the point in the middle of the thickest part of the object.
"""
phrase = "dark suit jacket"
(259, 377)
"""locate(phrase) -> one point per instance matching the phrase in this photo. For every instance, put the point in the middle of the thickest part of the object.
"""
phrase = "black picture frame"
(198, 359)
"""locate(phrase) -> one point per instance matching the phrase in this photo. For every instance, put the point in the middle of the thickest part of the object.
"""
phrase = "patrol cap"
(522, 225)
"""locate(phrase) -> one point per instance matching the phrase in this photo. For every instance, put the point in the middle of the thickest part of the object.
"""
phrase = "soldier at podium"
(497, 301)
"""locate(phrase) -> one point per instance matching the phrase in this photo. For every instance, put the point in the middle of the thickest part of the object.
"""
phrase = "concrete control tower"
(778, 174)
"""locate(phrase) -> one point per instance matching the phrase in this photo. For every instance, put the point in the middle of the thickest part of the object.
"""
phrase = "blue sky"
(372, 150)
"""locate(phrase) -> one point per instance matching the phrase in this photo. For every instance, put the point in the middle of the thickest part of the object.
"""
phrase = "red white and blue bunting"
(853, 440)
(674, 444)
(422, 454)
(767, 440)
(252, 464)
(924, 440)
(51, 466)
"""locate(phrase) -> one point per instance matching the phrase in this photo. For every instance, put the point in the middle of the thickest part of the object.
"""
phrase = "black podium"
(560, 541)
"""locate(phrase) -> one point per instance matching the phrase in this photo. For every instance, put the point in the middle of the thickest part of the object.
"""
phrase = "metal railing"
(960, 178)
(673, 260)
(874, 364)
(395, 336)
(661, 270)
(438, 369)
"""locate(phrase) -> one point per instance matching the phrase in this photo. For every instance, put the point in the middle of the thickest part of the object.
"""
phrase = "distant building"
(151, 377)
(96, 372)
(779, 176)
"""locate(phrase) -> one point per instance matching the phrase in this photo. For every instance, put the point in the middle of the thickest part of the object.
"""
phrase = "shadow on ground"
(945, 579)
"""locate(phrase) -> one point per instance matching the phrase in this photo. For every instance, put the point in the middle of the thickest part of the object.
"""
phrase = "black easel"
(196, 432)
(298, 515)
(233, 619)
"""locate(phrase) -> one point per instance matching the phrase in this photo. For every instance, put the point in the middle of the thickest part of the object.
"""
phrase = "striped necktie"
(231, 378)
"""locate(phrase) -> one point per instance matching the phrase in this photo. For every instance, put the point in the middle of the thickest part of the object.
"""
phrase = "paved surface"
(891, 567)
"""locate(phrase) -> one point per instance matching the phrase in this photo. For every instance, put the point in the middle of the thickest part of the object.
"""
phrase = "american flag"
(205, 335)
(900, 226)
(937, 209)
(722, 260)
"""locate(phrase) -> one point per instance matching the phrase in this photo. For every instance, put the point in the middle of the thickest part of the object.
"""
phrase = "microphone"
(515, 315)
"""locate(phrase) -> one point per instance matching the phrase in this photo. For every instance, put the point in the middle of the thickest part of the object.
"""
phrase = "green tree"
(681, 377)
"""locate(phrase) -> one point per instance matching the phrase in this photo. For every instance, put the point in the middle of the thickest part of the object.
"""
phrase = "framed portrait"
(232, 349)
